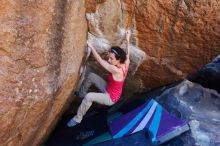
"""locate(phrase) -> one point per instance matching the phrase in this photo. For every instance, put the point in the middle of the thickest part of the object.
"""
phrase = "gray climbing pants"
(102, 98)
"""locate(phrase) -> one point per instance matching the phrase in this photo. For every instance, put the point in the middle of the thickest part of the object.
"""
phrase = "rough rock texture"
(41, 49)
(209, 75)
(170, 39)
(200, 107)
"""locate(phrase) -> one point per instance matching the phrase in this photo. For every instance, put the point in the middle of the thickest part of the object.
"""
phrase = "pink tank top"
(114, 88)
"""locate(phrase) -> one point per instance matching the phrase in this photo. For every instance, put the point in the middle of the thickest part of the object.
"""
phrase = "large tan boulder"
(41, 50)
(170, 39)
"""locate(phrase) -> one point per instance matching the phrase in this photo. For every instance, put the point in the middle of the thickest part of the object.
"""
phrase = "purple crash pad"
(151, 117)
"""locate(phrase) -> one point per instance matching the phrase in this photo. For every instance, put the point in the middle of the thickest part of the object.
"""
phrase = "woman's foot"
(72, 123)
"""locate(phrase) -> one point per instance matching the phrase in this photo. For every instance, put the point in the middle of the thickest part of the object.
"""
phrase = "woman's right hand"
(128, 35)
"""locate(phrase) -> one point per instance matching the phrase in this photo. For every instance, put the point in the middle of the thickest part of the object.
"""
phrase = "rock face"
(41, 49)
(209, 75)
(170, 39)
(200, 107)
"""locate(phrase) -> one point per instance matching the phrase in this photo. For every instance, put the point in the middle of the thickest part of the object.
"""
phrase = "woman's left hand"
(89, 45)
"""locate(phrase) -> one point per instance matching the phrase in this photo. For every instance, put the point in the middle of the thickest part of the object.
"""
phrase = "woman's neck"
(119, 65)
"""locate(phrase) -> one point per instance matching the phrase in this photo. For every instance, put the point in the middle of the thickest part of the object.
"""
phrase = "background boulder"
(200, 107)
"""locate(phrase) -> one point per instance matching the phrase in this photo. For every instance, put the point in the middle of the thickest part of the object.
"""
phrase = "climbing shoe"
(72, 123)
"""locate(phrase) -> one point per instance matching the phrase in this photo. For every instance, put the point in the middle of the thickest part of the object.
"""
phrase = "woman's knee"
(91, 76)
(88, 97)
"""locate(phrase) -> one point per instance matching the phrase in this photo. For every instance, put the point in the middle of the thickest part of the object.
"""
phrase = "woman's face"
(111, 59)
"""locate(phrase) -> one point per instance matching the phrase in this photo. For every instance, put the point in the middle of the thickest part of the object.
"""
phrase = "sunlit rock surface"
(41, 49)
(198, 105)
(170, 39)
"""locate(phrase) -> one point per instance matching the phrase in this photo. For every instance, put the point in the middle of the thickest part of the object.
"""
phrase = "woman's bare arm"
(102, 62)
(128, 35)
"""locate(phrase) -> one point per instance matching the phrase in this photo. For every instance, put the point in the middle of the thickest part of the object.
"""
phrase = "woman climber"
(117, 66)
